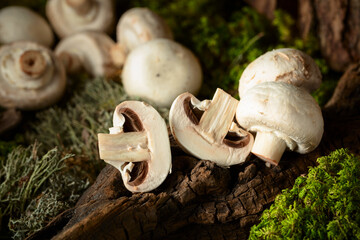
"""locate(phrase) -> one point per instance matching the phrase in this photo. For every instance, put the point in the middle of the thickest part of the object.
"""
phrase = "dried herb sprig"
(22, 174)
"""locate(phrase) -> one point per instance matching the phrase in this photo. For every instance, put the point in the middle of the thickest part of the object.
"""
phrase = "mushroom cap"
(160, 70)
(31, 77)
(203, 143)
(147, 119)
(66, 20)
(285, 110)
(22, 24)
(139, 25)
(282, 65)
(91, 49)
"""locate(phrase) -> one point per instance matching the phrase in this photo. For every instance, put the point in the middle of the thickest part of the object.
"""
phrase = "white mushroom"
(160, 70)
(139, 25)
(71, 16)
(283, 116)
(282, 65)
(138, 145)
(22, 24)
(89, 51)
(207, 129)
(31, 77)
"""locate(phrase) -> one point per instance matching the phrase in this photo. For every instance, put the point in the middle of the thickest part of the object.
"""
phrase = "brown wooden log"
(200, 200)
(338, 26)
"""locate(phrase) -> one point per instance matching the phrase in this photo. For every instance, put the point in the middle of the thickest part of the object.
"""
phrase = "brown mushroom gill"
(133, 124)
(231, 139)
(192, 112)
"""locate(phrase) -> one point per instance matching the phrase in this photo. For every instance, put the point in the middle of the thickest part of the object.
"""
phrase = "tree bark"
(338, 26)
(200, 200)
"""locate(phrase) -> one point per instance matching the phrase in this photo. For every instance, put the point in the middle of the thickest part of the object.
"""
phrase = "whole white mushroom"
(160, 70)
(283, 116)
(89, 51)
(135, 27)
(282, 65)
(31, 77)
(22, 24)
(71, 16)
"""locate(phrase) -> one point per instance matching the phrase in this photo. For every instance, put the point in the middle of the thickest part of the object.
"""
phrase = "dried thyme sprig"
(22, 175)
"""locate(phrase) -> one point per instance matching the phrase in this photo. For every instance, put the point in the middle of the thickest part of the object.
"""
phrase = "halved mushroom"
(87, 50)
(283, 116)
(207, 129)
(22, 24)
(138, 145)
(160, 70)
(31, 77)
(282, 65)
(71, 16)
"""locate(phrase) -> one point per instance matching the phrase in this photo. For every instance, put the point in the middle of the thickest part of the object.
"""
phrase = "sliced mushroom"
(89, 51)
(283, 116)
(282, 65)
(160, 70)
(139, 25)
(72, 16)
(138, 145)
(22, 24)
(207, 129)
(31, 77)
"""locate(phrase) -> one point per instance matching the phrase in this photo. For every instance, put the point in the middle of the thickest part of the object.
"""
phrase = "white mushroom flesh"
(160, 70)
(282, 65)
(138, 145)
(22, 24)
(283, 116)
(207, 129)
(30, 76)
(139, 25)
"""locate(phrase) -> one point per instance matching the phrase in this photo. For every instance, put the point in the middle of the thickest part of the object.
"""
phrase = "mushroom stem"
(71, 62)
(118, 54)
(216, 121)
(32, 63)
(268, 147)
(124, 147)
(82, 7)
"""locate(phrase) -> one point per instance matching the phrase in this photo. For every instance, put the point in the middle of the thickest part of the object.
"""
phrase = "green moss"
(325, 204)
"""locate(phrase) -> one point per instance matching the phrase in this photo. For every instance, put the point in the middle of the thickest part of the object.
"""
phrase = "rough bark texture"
(200, 200)
(338, 26)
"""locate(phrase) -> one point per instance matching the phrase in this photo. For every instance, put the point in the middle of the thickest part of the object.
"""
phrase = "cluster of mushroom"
(33, 76)
(275, 105)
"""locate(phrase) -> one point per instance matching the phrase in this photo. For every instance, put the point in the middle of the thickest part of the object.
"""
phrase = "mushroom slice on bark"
(207, 129)
(88, 50)
(138, 145)
(282, 65)
(283, 116)
(31, 77)
(71, 16)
